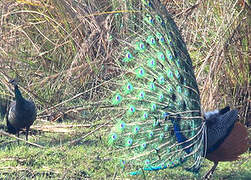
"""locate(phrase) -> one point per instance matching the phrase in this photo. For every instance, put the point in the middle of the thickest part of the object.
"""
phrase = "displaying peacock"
(21, 114)
(154, 102)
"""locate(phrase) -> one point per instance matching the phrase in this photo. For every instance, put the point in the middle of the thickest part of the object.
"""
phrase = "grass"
(63, 48)
(90, 158)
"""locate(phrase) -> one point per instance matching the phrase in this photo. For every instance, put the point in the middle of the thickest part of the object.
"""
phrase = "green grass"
(90, 158)
(56, 47)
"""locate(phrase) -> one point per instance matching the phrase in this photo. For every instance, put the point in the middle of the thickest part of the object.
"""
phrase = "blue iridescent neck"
(18, 94)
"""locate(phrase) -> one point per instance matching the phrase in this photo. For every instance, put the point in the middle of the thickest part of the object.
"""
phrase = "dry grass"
(65, 49)
(60, 51)
(218, 38)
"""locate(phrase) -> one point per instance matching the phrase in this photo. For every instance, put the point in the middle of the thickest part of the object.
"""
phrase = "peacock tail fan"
(154, 103)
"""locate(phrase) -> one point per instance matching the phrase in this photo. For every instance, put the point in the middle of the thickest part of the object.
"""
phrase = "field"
(57, 50)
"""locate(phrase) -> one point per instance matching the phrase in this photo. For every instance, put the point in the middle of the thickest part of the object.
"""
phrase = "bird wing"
(219, 128)
(10, 118)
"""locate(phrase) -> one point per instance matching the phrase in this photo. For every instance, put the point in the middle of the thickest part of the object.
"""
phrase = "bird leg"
(27, 132)
(210, 172)
(18, 137)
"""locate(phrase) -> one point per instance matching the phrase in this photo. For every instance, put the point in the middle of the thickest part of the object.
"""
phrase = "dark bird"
(227, 138)
(154, 103)
(21, 114)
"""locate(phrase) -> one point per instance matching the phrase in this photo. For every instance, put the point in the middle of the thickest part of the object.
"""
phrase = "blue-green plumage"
(152, 101)
(156, 104)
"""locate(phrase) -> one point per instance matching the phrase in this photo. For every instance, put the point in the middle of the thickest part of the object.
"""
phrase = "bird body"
(227, 138)
(235, 144)
(21, 114)
(154, 102)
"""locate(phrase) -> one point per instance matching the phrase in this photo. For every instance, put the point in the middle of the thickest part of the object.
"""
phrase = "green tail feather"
(154, 103)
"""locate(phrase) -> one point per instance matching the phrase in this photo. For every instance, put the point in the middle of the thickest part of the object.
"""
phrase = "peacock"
(153, 101)
(226, 137)
(21, 114)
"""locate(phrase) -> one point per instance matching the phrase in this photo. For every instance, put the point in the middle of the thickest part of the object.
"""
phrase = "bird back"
(235, 144)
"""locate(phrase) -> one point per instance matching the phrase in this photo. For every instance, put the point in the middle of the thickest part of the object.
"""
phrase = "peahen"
(21, 114)
(153, 100)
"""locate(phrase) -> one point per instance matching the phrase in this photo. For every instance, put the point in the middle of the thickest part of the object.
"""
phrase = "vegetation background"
(57, 50)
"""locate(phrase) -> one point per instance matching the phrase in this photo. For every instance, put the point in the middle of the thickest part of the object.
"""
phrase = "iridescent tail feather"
(154, 102)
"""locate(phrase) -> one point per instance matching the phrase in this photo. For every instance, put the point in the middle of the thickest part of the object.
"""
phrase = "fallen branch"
(12, 136)
(79, 139)
(61, 126)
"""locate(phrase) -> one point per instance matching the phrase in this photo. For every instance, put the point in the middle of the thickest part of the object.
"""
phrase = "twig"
(12, 136)
(188, 10)
(79, 139)
(61, 126)
(115, 175)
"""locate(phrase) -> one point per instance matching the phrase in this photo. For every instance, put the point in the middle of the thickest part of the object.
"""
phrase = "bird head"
(13, 82)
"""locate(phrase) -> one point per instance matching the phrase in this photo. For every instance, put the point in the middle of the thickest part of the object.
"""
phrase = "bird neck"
(179, 136)
(18, 95)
